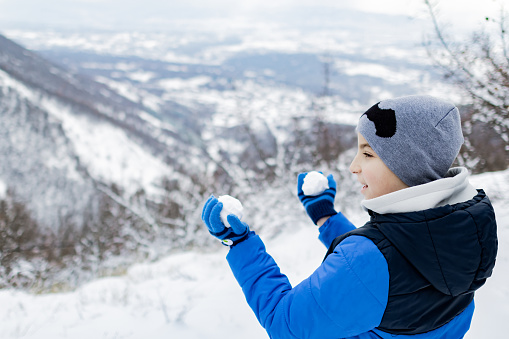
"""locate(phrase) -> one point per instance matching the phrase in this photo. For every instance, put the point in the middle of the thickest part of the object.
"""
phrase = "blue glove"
(229, 236)
(318, 206)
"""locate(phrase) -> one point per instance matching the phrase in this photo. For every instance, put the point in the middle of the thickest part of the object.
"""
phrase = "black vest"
(415, 305)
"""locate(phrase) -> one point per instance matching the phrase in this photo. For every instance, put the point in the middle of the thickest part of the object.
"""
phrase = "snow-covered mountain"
(101, 134)
(93, 168)
(66, 136)
(111, 167)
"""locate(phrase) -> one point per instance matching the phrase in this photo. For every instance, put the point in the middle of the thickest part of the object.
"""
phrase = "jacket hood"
(453, 246)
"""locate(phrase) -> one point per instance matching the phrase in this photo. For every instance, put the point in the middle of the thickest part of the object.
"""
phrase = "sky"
(134, 14)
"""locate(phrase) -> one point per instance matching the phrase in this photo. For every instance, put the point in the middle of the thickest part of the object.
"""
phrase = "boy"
(412, 270)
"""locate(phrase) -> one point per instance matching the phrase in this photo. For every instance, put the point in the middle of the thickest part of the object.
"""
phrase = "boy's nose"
(354, 168)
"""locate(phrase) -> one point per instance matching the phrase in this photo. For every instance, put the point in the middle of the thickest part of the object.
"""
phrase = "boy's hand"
(229, 236)
(318, 206)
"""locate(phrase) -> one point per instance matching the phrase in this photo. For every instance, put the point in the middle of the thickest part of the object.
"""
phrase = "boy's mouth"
(365, 187)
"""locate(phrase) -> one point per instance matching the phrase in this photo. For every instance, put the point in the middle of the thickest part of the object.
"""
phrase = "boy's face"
(377, 179)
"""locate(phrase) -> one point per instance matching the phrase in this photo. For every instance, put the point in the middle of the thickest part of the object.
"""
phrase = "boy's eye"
(367, 155)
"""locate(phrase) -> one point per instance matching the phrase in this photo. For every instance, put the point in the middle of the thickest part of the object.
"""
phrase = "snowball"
(315, 183)
(230, 206)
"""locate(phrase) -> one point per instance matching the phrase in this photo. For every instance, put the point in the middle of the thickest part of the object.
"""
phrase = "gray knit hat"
(417, 137)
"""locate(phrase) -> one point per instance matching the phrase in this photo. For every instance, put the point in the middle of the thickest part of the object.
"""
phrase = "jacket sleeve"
(345, 296)
(334, 227)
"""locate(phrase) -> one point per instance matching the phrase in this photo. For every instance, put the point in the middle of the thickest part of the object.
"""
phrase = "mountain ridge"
(114, 178)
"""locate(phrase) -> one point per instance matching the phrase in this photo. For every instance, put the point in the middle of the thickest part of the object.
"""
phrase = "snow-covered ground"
(194, 295)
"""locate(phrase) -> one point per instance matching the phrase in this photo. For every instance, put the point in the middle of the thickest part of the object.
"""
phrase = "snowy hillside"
(193, 295)
(93, 174)
(112, 170)
(69, 129)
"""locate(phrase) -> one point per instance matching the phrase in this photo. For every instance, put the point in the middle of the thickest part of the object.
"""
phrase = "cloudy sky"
(141, 14)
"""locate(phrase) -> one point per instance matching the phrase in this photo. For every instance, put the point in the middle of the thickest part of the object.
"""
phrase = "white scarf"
(452, 189)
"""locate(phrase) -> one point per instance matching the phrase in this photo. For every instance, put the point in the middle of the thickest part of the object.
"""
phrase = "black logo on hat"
(384, 119)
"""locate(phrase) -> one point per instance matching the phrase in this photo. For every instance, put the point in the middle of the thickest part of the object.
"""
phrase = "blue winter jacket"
(345, 297)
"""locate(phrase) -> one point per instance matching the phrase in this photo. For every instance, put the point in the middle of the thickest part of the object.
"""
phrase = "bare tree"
(480, 67)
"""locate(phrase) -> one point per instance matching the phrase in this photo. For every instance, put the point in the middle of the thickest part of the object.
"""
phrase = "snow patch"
(179, 83)
(3, 189)
(141, 76)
